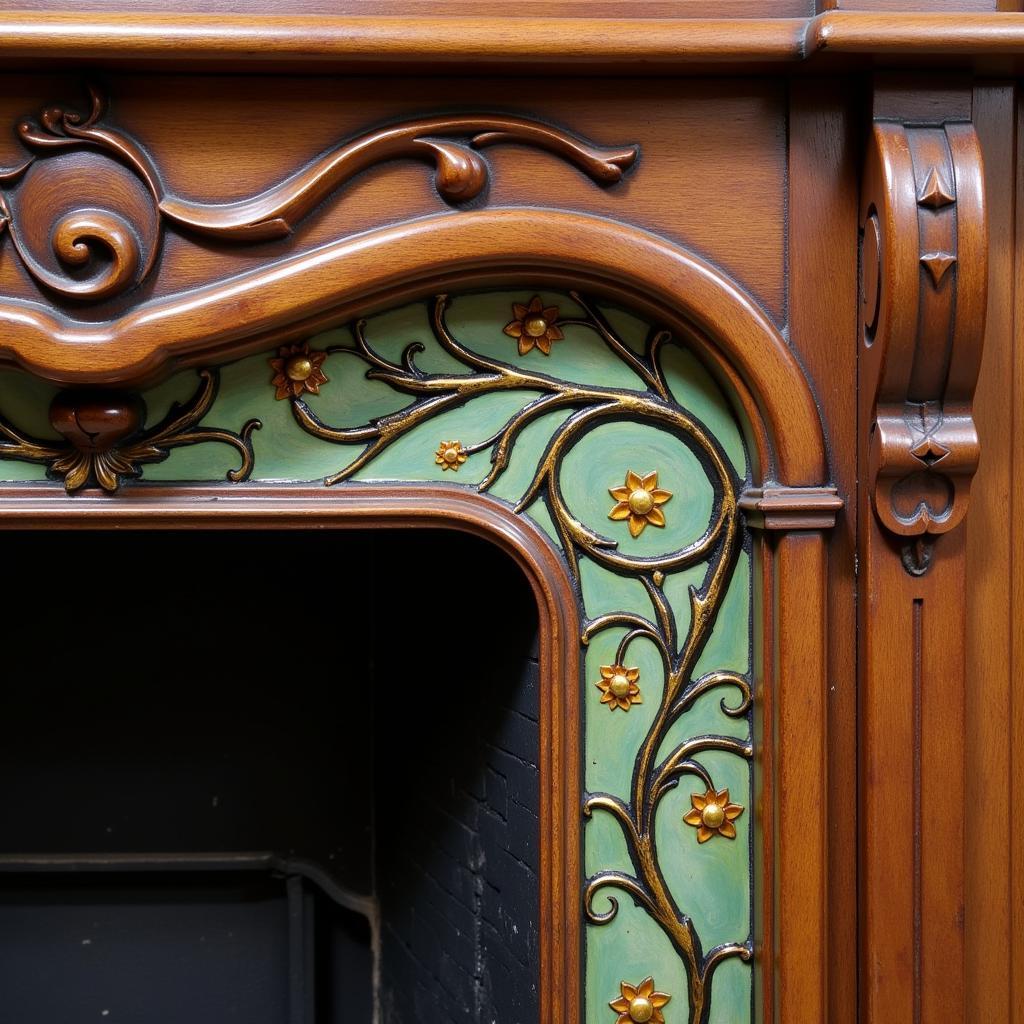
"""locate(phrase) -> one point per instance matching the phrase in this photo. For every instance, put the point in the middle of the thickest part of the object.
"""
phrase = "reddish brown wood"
(1015, 610)
(921, 347)
(440, 9)
(795, 935)
(823, 196)
(992, 618)
(736, 227)
(833, 40)
(690, 151)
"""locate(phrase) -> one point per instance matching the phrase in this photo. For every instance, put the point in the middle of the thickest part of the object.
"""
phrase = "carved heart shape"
(922, 497)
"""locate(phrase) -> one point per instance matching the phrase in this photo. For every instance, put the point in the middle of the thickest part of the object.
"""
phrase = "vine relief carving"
(92, 230)
(685, 712)
(661, 763)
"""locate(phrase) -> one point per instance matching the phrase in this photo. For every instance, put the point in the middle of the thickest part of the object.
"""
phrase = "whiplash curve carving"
(662, 761)
(100, 248)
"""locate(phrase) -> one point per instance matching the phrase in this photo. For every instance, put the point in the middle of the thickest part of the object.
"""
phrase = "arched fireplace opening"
(291, 778)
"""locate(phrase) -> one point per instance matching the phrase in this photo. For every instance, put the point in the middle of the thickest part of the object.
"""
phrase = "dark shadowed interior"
(226, 788)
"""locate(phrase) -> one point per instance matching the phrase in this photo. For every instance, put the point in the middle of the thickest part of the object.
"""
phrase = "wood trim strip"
(570, 45)
(802, 951)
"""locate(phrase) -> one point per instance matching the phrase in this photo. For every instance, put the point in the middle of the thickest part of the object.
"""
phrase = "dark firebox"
(288, 779)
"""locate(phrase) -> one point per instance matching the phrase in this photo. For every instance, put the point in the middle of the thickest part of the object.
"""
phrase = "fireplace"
(284, 790)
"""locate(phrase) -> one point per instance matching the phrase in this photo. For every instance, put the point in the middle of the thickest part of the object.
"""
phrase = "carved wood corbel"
(924, 293)
(924, 286)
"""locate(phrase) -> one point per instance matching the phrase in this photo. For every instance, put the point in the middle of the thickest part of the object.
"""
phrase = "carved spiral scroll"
(120, 244)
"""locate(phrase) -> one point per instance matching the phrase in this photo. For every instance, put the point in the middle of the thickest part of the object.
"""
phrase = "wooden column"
(793, 934)
(924, 282)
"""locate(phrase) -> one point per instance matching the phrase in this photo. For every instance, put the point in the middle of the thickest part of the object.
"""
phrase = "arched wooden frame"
(307, 292)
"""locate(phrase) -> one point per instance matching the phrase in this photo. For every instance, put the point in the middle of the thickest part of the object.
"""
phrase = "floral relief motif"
(664, 756)
(639, 1004)
(105, 440)
(618, 686)
(712, 814)
(534, 324)
(639, 501)
(297, 370)
(450, 455)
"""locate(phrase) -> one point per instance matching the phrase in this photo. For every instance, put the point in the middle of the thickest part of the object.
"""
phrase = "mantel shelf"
(836, 40)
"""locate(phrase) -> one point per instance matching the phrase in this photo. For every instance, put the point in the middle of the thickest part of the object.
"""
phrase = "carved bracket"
(923, 290)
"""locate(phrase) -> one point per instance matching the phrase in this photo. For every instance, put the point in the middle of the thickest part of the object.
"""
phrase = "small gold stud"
(639, 1004)
(450, 455)
(639, 501)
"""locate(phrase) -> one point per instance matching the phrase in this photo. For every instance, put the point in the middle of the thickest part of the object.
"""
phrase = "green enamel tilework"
(710, 882)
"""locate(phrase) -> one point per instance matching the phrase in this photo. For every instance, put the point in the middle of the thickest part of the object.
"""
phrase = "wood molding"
(252, 312)
(791, 508)
(924, 293)
(571, 45)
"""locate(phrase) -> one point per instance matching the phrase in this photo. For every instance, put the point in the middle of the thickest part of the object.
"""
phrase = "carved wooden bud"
(96, 421)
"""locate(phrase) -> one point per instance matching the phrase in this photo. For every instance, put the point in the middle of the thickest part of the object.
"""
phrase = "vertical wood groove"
(917, 711)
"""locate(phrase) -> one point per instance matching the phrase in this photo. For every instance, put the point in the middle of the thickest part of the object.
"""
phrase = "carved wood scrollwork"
(90, 229)
(923, 290)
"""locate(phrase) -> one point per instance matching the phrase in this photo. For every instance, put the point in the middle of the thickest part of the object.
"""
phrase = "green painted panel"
(610, 403)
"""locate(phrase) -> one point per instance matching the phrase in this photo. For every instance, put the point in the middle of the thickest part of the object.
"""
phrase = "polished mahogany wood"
(832, 40)
(702, 164)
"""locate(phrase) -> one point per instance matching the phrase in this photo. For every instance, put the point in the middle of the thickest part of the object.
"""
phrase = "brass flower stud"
(639, 1004)
(297, 369)
(639, 501)
(712, 814)
(534, 324)
(618, 686)
(450, 455)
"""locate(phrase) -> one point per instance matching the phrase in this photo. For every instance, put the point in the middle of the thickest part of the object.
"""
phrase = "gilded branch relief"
(614, 439)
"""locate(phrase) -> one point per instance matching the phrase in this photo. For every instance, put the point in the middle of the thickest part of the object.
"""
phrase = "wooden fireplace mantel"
(835, 40)
(765, 267)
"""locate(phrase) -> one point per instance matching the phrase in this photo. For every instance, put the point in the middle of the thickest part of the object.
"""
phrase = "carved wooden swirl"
(101, 252)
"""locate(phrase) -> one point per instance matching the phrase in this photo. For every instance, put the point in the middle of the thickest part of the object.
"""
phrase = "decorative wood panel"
(210, 172)
(924, 299)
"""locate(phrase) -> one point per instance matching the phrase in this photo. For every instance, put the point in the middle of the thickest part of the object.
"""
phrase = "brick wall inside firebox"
(457, 789)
